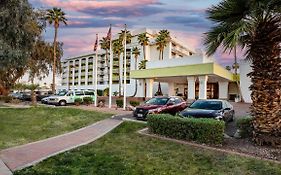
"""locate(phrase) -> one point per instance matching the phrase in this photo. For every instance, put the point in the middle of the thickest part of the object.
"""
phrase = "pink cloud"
(94, 4)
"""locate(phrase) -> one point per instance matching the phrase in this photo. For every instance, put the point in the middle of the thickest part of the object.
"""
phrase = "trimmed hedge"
(119, 103)
(134, 103)
(245, 126)
(201, 130)
(78, 101)
(87, 100)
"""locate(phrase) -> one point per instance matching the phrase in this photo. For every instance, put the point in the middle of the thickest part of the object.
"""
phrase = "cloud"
(121, 8)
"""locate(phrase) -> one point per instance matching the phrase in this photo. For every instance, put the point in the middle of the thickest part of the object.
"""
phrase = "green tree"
(136, 53)
(105, 45)
(162, 40)
(19, 27)
(118, 50)
(255, 26)
(55, 16)
(143, 41)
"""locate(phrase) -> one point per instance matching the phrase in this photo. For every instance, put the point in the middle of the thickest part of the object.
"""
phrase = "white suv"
(64, 97)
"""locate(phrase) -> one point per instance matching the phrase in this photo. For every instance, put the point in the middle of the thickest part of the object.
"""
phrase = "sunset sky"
(186, 19)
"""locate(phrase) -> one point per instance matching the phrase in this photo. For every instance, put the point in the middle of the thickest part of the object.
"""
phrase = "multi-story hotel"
(183, 71)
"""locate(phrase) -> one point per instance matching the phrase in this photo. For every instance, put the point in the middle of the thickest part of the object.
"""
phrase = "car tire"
(62, 103)
(232, 117)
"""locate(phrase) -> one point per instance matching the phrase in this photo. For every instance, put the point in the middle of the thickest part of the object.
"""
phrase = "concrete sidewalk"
(29, 154)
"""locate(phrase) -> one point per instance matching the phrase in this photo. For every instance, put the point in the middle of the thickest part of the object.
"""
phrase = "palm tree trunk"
(163, 54)
(236, 75)
(55, 60)
(108, 67)
(120, 75)
(144, 58)
(136, 81)
(33, 96)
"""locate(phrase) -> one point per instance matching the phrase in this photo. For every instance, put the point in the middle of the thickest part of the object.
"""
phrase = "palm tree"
(105, 45)
(143, 41)
(254, 26)
(118, 50)
(162, 41)
(128, 36)
(136, 53)
(55, 16)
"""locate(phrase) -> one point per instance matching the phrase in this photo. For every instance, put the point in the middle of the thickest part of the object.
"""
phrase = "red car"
(156, 105)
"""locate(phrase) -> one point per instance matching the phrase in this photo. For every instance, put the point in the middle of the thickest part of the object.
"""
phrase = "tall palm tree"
(162, 41)
(254, 25)
(143, 41)
(55, 16)
(105, 45)
(118, 50)
(136, 53)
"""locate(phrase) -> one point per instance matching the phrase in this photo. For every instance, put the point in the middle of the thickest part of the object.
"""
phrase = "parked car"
(156, 105)
(25, 96)
(42, 94)
(217, 109)
(67, 97)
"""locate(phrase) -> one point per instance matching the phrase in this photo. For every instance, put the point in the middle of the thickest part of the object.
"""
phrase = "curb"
(4, 170)
(143, 132)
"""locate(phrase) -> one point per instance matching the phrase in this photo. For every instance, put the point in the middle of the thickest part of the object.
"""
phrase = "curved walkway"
(25, 155)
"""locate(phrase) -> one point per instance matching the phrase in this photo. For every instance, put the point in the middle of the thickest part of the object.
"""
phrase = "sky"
(185, 19)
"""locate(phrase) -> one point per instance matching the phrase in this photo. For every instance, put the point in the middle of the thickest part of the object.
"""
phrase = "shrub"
(6, 99)
(78, 101)
(201, 130)
(119, 103)
(87, 100)
(134, 103)
(100, 92)
(106, 92)
(244, 124)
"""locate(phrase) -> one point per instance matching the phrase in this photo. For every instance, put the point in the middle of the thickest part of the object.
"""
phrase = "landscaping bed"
(124, 151)
(21, 126)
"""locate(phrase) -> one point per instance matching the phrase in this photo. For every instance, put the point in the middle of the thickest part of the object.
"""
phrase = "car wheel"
(62, 103)
(232, 117)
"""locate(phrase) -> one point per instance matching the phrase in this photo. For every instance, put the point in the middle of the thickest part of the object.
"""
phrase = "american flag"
(109, 34)
(96, 43)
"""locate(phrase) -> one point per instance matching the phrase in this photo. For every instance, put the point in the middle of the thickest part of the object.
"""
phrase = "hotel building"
(183, 71)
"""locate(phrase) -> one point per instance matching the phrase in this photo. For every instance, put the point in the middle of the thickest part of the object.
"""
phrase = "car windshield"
(209, 105)
(157, 101)
(62, 93)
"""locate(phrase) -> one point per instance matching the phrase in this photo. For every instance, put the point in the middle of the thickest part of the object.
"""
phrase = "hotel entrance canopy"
(185, 70)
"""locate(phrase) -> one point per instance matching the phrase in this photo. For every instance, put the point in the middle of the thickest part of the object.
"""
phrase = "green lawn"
(124, 152)
(20, 126)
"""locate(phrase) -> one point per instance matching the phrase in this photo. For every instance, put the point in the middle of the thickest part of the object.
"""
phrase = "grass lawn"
(124, 152)
(20, 126)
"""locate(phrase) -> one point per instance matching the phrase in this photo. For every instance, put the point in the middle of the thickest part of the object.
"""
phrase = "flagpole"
(125, 69)
(110, 71)
(96, 74)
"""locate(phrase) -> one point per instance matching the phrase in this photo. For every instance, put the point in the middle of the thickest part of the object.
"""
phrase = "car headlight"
(219, 115)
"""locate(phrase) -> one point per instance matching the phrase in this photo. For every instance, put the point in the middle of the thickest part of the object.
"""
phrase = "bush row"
(201, 130)
(85, 100)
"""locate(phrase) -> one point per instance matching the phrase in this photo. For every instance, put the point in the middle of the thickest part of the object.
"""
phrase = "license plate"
(140, 115)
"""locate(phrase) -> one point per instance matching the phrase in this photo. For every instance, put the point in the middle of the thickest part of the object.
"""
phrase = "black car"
(217, 109)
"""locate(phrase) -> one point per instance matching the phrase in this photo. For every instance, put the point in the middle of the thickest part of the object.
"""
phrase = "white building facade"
(183, 71)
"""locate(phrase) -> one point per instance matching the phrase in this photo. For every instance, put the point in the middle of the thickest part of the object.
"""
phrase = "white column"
(68, 74)
(149, 89)
(86, 72)
(191, 88)
(203, 87)
(223, 90)
(171, 89)
(79, 75)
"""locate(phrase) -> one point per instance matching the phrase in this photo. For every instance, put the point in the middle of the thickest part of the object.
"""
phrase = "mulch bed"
(241, 147)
